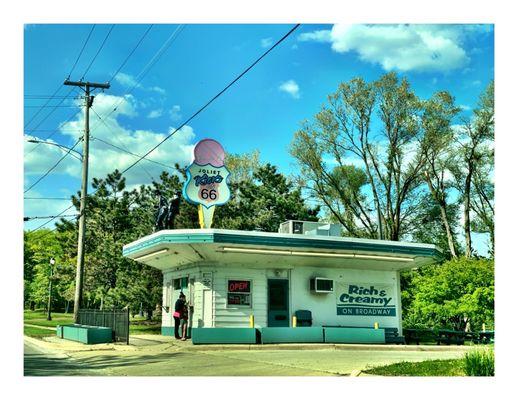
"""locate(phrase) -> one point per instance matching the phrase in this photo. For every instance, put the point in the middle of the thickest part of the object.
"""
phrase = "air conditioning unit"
(310, 228)
(321, 285)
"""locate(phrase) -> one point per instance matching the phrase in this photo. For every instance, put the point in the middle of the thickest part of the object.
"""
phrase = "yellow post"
(483, 327)
(294, 321)
(252, 321)
(376, 325)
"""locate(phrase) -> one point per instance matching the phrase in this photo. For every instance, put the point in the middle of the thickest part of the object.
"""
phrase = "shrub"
(480, 363)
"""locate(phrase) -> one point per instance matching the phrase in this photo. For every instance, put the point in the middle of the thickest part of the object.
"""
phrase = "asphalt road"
(169, 360)
(39, 363)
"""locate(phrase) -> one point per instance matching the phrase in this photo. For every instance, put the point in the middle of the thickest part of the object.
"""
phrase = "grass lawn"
(37, 332)
(138, 325)
(40, 318)
(424, 368)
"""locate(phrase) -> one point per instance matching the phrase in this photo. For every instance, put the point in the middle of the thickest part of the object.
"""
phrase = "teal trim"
(236, 238)
(167, 331)
(85, 334)
(224, 335)
(292, 335)
(354, 335)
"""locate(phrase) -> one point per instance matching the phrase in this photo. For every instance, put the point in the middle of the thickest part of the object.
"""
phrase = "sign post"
(206, 183)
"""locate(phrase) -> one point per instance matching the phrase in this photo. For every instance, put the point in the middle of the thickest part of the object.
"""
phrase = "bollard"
(294, 321)
(252, 321)
(483, 327)
(376, 325)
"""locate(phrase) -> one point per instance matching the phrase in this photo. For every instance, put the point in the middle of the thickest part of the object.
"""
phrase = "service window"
(180, 283)
(239, 293)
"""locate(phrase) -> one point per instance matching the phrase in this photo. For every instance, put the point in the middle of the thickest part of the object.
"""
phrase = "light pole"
(52, 262)
(79, 156)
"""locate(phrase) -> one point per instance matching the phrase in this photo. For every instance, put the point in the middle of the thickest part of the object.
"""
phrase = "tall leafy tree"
(474, 144)
(437, 117)
(343, 134)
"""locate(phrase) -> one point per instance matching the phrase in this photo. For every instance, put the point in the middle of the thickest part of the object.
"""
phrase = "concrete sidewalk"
(147, 341)
(155, 355)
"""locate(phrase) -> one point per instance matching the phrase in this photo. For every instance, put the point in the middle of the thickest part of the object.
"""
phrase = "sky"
(182, 67)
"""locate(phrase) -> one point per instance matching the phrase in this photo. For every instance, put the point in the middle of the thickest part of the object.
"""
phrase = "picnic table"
(418, 335)
(449, 336)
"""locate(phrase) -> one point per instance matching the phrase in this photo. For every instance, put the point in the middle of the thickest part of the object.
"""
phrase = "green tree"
(438, 114)
(474, 155)
(265, 201)
(458, 294)
(341, 134)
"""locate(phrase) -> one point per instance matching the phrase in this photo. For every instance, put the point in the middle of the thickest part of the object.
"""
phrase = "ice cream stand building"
(304, 283)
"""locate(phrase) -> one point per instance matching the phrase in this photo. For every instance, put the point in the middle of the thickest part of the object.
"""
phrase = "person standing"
(184, 318)
(179, 307)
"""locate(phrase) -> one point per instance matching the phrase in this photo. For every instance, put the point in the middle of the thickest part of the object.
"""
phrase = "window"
(239, 293)
(180, 283)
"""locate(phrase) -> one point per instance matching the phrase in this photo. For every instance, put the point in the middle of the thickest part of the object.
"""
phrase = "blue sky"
(262, 111)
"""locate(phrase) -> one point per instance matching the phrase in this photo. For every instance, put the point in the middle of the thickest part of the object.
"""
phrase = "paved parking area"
(160, 356)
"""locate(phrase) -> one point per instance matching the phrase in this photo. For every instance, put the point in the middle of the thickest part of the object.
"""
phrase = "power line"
(55, 131)
(215, 97)
(125, 150)
(54, 166)
(130, 54)
(46, 198)
(53, 229)
(54, 108)
(81, 52)
(47, 106)
(59, 88)
(44, 96)
(98, 51)
(25, 219)
(195, 114)
(38, 112)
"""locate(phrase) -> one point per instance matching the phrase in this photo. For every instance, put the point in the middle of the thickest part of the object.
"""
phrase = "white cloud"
(291, 87)
(399, 47)
(316, 36)
(155, 113)
(129, 81)
(174, 113)
(103, 158)
(464, 107)
(267, 42)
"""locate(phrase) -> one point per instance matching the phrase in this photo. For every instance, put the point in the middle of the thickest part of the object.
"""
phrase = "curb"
(71, 347)
(319, 346)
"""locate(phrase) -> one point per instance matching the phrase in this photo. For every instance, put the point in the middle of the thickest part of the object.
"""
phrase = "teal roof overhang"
(176, 248)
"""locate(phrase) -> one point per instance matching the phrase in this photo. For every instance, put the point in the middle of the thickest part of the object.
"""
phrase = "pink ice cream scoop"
(208, 151)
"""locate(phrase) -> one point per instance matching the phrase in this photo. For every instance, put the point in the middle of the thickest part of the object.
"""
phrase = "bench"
(391, 336)
(419, 335)
(449, 336)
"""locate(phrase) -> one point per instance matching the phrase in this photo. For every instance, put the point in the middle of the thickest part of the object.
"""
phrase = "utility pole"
(49, 304)
(84, 188)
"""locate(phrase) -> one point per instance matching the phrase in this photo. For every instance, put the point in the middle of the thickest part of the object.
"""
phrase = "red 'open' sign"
(239, 286)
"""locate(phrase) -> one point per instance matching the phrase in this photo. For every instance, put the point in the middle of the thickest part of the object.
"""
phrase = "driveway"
(165, 357)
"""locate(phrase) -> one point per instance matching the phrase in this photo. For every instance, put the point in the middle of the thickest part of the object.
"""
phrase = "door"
(278, 307)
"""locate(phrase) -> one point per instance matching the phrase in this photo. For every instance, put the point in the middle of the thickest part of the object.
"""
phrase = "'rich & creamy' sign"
(367, 299)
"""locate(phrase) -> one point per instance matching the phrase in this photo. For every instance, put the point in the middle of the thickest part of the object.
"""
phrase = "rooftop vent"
(310, 228)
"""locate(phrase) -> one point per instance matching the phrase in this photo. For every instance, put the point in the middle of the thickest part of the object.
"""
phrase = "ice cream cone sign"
(206, 183)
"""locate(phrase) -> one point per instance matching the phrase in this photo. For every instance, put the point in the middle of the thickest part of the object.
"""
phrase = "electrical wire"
(98, 51)
(130, 54)
(214, 97)
(55, 131)
(124, 149)
(81, 52)
(53, 96)
(54, 166)
(25, 219)
(199, 111)
(46, 198)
